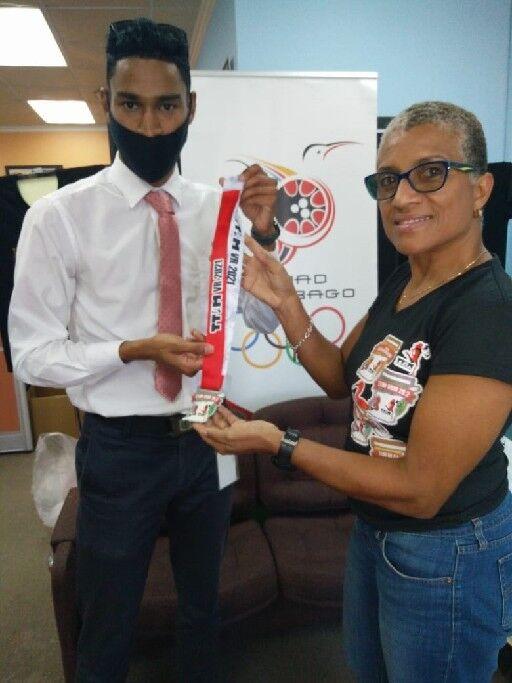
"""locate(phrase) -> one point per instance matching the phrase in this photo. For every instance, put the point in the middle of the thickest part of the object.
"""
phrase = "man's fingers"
(195, 335)
(250, 172)
(260, 183)
(257, 195)
(198, 348)
(188, 366)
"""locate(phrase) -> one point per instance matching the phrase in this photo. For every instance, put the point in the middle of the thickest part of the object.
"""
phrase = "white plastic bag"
(53, 474)
(507, 447)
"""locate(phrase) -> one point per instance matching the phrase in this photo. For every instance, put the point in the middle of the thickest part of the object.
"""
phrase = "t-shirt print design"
(386, 390)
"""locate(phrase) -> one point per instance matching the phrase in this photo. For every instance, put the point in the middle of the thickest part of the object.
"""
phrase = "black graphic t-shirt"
(463, 327)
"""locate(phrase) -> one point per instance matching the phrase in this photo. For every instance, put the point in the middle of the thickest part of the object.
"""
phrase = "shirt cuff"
(102, 356)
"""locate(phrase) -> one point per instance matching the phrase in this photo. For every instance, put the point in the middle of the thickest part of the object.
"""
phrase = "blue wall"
(220, 38)
(455, 50)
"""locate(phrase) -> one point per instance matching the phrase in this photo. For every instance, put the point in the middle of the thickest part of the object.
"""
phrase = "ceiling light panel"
(26, 39)
(62, 111)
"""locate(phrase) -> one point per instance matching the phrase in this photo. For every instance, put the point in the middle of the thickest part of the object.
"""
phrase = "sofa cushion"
(310, 555)
(320, 419)
(248, 580)
(244, 490)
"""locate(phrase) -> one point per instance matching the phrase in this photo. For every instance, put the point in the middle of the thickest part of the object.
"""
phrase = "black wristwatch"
(283, 459)
(265, 240)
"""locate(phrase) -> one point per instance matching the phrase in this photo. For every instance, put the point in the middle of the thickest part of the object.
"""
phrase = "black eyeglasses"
(427, 177)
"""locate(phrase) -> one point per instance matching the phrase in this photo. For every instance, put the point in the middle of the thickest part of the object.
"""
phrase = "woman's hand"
(229, 434)
(265, 278)
(258, 198)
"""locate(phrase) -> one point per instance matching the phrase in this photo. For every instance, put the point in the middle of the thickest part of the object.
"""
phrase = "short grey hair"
(461, 121)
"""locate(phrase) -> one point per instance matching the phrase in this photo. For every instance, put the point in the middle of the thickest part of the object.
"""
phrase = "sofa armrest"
(65, 527)
(62, 572)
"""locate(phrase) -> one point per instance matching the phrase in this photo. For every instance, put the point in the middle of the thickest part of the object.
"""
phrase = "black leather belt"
(163, 425)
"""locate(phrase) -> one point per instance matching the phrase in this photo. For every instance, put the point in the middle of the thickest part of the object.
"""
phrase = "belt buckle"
(178, 426)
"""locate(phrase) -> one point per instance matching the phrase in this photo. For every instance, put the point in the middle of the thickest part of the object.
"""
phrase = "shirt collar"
(134, 189)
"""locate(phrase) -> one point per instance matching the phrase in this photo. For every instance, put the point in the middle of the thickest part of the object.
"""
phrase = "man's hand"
(266, 278)
(229, 434)
(258, 198)
(184, 355)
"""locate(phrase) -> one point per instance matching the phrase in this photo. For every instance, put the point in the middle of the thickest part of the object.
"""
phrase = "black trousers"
(131, 475)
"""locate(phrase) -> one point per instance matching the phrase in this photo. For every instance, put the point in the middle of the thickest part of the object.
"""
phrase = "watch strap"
(283, 458)
(265, 240)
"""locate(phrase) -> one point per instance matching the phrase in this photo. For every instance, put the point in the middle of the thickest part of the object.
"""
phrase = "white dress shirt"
(86, 279)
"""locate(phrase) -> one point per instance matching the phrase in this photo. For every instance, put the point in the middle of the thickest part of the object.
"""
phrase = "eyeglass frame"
(457, 165)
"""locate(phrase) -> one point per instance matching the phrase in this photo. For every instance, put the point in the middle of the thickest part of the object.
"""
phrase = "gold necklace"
(405, 297)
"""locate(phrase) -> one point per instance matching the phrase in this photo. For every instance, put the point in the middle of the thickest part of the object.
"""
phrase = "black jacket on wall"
(12, 211)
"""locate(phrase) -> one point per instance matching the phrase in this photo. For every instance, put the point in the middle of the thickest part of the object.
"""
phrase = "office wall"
(455, 50)
(220, 39)
(442, 49)
(68, 148)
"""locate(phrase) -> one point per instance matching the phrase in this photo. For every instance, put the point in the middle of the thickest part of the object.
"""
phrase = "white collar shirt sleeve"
(86, 279)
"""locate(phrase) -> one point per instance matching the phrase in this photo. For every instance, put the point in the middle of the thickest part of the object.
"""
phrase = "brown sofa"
(286, 545)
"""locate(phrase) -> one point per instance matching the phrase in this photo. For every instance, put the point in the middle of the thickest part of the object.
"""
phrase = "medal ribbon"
(225, 275)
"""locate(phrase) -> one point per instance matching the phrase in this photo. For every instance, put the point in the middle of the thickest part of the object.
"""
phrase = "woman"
(428, 582)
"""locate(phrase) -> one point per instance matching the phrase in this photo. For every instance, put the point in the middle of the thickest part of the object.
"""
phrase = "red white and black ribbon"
(224, 287)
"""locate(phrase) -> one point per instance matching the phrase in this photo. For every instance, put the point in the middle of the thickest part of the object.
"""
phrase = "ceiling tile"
(6, 94)
(90, 81)
(45, 93)
(27, 77)
(182, 14)
(97, 112)
(81, 4)
(80, 55)
(86, 26)
(18, 114)
(80, 28)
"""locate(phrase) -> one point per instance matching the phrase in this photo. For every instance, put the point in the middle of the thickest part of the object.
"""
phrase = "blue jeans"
(129, 481)
(429, 607)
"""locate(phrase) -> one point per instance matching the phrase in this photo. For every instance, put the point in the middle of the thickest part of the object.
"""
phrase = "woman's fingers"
(262, 255)
(230, 417)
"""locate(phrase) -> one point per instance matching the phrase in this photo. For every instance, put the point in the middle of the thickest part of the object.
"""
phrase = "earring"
(478, 213)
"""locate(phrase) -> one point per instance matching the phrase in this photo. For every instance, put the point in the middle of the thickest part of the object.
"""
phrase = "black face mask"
(150, 158)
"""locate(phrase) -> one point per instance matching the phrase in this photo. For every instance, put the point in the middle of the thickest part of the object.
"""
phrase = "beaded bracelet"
(307, 334)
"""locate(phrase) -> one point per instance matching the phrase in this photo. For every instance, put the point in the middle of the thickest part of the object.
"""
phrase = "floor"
(29, 648)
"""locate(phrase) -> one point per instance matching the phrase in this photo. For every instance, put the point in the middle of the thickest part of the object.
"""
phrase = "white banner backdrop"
(315, 133)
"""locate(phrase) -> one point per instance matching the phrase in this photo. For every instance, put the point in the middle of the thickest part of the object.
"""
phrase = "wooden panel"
(9, 420)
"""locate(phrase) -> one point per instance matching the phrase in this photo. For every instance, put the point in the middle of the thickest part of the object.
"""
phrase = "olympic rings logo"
(273, 339)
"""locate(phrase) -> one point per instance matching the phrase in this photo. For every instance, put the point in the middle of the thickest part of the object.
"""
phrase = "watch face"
(291, 437)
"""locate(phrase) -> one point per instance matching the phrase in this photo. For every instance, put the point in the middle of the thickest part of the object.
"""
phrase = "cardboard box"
(51, 411)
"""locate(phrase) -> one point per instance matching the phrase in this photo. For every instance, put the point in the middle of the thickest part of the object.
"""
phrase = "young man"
(87, 314)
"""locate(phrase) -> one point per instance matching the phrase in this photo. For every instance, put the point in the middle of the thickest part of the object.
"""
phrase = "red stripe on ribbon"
(212, 377)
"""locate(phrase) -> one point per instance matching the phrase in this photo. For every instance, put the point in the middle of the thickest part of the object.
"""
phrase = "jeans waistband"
(487, 522)
(158, 425)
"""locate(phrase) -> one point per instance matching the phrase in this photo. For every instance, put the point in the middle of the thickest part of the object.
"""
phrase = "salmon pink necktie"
(168, 380)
